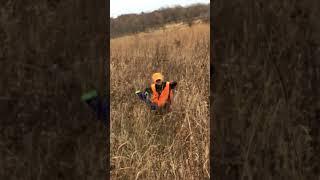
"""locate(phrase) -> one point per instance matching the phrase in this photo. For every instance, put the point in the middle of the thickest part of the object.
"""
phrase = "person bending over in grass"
(159, 95)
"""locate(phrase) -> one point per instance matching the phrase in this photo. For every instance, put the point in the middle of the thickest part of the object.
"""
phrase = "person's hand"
(173, 84)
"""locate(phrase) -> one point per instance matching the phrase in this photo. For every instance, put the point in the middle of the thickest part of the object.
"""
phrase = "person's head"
(157, 78)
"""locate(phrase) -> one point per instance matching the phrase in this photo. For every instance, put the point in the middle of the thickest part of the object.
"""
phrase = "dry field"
(175, 145)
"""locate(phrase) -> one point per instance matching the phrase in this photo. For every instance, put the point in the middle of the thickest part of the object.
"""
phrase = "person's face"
(159, 82)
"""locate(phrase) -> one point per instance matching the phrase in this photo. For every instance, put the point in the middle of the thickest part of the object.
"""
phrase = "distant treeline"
(133, 23)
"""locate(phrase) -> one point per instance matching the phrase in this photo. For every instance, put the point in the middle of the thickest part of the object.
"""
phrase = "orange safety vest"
(164, 97)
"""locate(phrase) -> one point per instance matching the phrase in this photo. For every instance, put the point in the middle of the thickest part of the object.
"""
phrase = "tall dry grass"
(175, 145)
(266, 90)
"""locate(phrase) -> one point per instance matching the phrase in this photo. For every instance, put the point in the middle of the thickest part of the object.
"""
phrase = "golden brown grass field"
(174, 145)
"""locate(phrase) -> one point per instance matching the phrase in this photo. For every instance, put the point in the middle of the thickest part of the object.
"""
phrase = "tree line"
(134, 23)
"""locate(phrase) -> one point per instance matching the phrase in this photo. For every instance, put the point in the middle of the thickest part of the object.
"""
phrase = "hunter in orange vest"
(159, 95)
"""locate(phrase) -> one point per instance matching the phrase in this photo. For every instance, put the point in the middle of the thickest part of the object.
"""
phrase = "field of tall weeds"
(171, 146)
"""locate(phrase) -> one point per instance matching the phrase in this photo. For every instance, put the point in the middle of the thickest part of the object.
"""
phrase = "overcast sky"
(118, 7)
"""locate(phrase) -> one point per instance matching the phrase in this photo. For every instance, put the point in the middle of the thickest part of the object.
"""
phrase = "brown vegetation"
(266, 89)
(173, 146)
(49, 54)
(135, 23)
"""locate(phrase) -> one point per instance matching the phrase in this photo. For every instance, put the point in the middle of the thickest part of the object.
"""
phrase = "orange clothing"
(161, 99)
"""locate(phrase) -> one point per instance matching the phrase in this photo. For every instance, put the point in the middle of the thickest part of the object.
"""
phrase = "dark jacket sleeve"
(173, 84)
(148, 90)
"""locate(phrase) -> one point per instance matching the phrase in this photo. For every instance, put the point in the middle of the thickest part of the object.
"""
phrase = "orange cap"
(157, 76)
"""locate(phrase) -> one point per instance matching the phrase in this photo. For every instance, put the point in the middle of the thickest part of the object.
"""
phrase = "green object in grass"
(89, 95)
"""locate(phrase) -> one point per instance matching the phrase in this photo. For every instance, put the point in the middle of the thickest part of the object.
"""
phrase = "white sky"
(118, 7)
